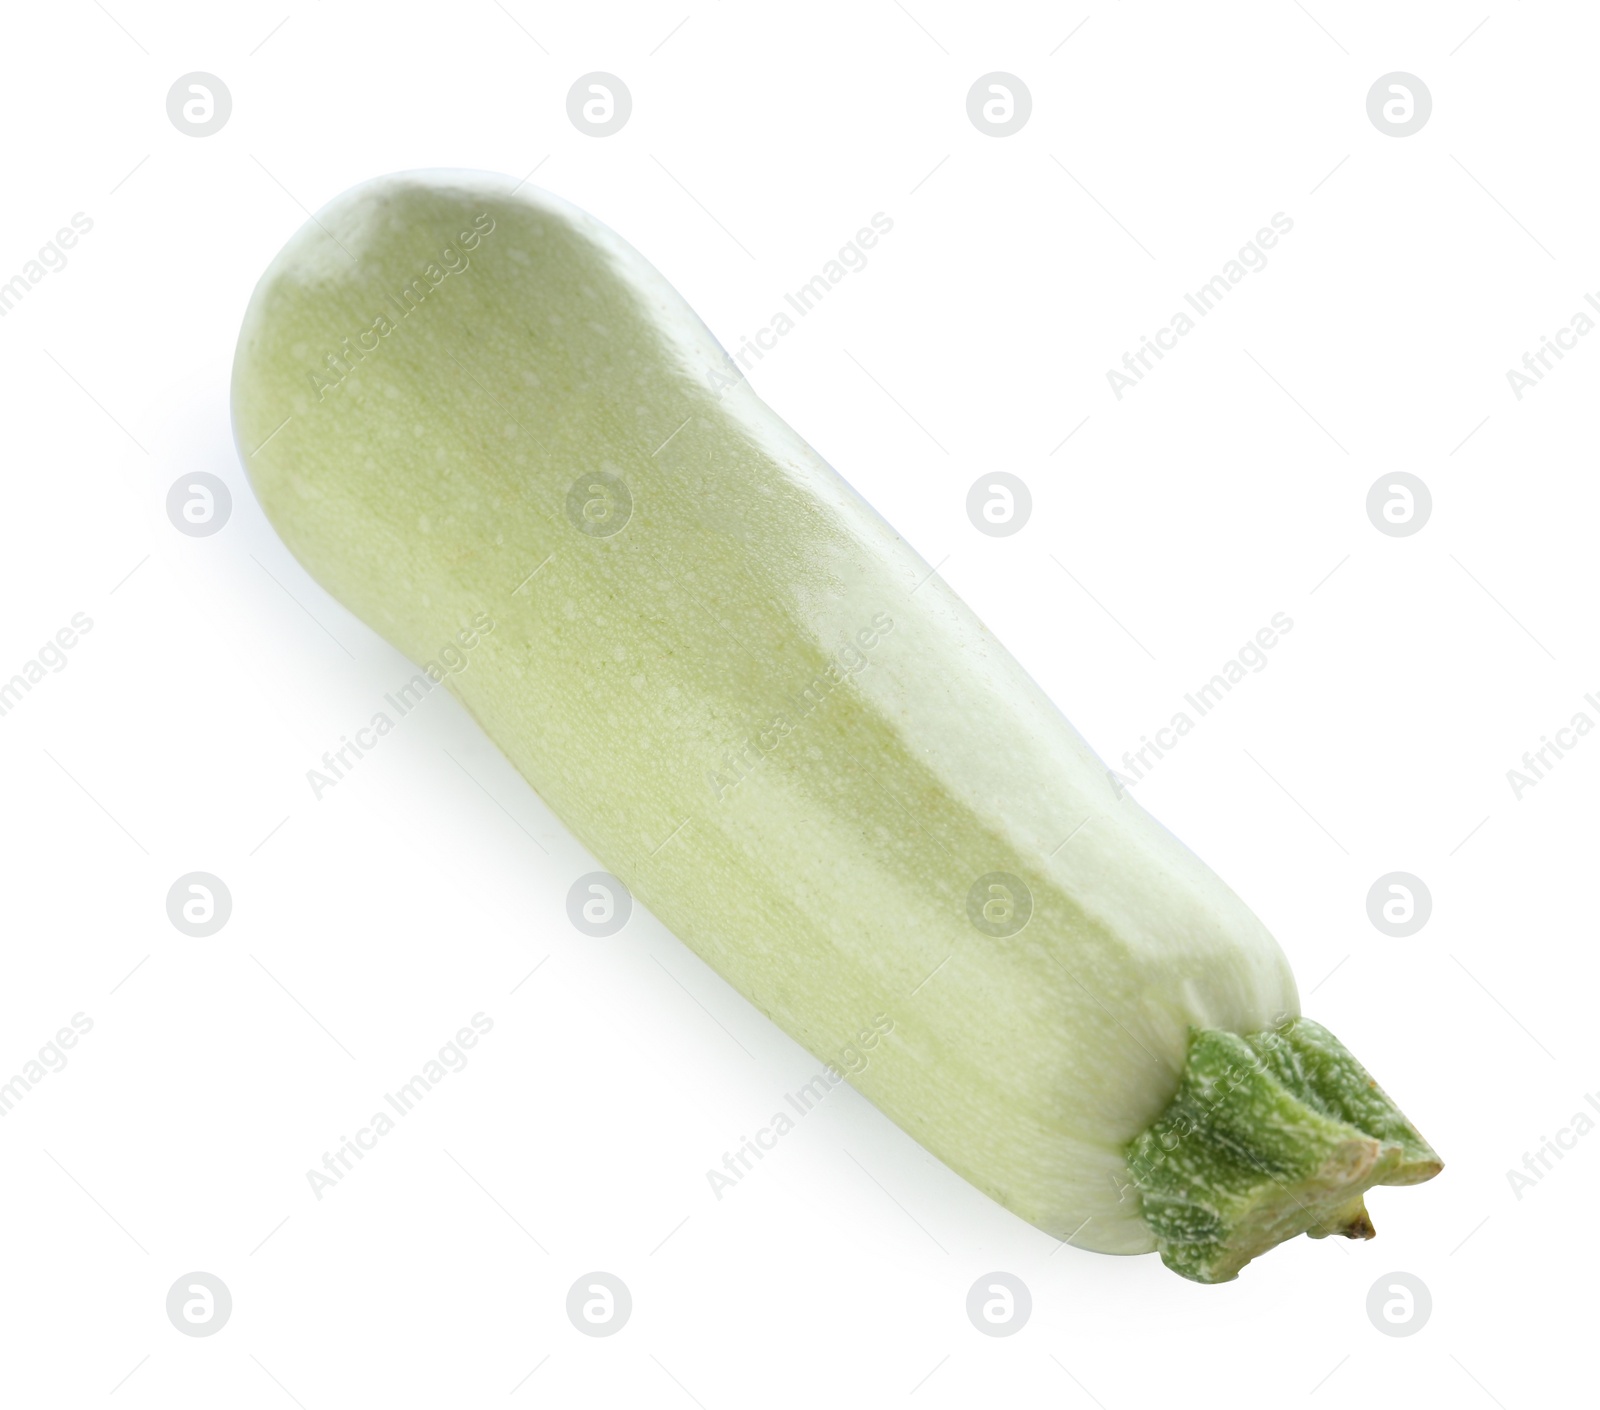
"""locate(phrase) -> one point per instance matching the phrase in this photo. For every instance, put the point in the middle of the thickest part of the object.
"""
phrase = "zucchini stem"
(1269, 1135)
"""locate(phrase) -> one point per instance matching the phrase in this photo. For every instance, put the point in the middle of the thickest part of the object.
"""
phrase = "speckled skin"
(1269, 1136)
(667, 690)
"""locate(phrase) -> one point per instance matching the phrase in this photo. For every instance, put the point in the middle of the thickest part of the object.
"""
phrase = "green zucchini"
(761, 710)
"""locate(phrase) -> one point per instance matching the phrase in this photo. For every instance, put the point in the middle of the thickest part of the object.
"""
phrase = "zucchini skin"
(736, 684)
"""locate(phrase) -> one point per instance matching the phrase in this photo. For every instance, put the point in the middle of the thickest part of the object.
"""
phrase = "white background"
(1230, 485)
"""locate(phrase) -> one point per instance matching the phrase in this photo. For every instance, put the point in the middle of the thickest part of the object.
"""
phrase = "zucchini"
(757, 706)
